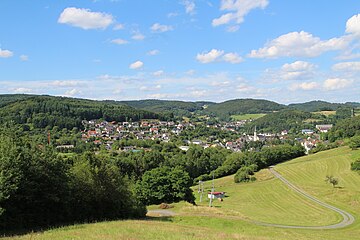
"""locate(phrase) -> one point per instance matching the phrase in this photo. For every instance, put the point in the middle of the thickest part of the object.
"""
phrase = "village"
(103, 133)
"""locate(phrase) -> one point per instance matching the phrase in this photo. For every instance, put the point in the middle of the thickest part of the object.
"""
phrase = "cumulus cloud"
(23, 90)
(336, 83)
(65, 83)
(299, 44)
(232, 58)
(297, 70)
(136, 65)
(73, 92)
(24, 58)
(138, 36)
(158, 73)
(5, 53)
(119, 26)
(218, 55)
(304, 86)
(150, 88)
(353, 25)
(153, 52)
(119, 41)
(347, 66)
(237, 10)
(189, 6)
(208, 57)
(158, 28)
(85, 18)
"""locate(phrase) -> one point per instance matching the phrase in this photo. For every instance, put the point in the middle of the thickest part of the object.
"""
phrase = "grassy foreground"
(266, 200)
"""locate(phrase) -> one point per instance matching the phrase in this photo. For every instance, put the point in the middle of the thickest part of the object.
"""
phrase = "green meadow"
(265, 200)
(247, 116)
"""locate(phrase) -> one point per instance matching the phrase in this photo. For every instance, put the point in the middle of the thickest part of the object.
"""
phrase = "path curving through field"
(348, 219)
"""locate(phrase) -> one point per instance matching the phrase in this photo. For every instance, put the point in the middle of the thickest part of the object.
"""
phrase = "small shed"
(216, 195)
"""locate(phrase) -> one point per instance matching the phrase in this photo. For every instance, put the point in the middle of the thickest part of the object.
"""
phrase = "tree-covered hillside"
(46, 111)
(10, 98)
(178, 108)
(284, 120)
(315, 106)
(243, 106)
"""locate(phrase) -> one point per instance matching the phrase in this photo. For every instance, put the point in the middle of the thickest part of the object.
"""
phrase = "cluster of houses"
(103, 132)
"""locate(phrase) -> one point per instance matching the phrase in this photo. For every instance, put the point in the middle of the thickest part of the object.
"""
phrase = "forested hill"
(243, 106)
(178, 108)
(10, 98)
(42, 111)
(315, 106)
(292, 120)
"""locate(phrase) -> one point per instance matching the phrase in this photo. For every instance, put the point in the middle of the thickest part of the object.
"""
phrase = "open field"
(247, 116)
(326, 113)
(267, 200)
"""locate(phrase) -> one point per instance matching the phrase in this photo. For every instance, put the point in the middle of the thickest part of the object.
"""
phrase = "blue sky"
(285, 51)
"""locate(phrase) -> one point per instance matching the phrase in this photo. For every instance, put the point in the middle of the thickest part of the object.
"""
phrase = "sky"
(192, 50)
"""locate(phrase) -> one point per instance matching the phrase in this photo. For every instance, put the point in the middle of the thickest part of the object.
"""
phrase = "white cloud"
(218, 55)
(297, 70)
(85, 19)
(150, 88)
(24, 58)
(347, 66)
(207, 57)
(299, 44)
(189, 6)
(297, 66)
(158, 73)
(232, 58)
(158, 28)
(22, 90)
(153, 52)
(68, 83)
(5, 53)
(304, 86)
(138, 36)
(190, 72)
(119, 41)
(353, 25)
(232, 28)
(136, 65)
(119, 26)
(336, 83)
(73, 92)
(237, 10)
(172, 14)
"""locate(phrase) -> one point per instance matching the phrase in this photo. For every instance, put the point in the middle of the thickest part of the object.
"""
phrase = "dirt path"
(348, 219)
(160, 213)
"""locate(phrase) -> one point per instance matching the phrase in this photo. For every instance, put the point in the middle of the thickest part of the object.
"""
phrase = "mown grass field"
(266, 200)
(247, 116)
(326, 113)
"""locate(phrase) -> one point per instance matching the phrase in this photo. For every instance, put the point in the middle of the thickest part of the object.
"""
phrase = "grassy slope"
(265, 200)
(247, 116)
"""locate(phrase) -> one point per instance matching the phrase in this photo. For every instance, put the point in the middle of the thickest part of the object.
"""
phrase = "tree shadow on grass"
(160, 218)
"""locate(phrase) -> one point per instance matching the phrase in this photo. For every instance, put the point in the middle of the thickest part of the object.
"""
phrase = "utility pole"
(212, 192)
(201, 189)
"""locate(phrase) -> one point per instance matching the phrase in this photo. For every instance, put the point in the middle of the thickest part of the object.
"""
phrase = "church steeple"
(255, 135)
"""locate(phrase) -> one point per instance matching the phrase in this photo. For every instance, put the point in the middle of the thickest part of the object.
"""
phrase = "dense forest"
(46, 111)
(242, 106)
(177, 108)
(315, 106)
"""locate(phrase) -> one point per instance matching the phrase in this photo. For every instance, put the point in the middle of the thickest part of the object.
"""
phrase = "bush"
(354, 142)
(355, 166)
(165, 184)
(245, 174)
